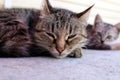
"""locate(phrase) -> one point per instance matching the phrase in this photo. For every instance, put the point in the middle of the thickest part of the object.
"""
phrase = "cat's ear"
(83, 16)
(47, 8)
(98, 19)
(117, 26)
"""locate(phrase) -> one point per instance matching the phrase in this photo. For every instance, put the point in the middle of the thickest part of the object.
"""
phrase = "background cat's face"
(60, 32)
(106, 31)
(103, 31)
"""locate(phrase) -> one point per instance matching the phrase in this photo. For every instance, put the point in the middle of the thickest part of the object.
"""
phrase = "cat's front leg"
(77, 53)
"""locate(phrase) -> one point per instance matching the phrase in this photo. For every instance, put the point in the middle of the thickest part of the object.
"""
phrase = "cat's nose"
(102, 41)
(60, 45)
(60, 49)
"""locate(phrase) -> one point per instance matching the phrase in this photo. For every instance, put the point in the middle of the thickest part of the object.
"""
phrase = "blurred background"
(108, 9)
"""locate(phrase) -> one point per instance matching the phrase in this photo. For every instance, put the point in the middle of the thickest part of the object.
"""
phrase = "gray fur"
(61, 31)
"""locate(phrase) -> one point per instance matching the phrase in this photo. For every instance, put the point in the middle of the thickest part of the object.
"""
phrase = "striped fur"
(61, 32)
(15, 40)
(25, 32)
(101, 35)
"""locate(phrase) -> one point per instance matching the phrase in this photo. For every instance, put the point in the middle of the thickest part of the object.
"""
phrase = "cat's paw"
(77, 53)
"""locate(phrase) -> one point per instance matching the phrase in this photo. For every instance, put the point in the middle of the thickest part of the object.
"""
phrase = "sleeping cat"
(101, 34)
(16, 26)
(15, 40)
(25, 32)
(61, 31)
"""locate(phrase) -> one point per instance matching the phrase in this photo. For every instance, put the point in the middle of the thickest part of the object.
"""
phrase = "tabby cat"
(15, 24)
(61, 31)
(25, 32)
(101, 34)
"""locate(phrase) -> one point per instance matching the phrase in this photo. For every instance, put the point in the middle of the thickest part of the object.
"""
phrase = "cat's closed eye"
(51, 35)
(109, 37)
(71, 36)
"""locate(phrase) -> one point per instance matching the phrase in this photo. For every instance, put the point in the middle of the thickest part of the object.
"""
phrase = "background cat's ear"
(98, 19)
(117, 26)
(47, 8)
(83, 16)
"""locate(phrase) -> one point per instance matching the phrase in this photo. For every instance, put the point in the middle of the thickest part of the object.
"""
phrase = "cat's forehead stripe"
(62, 19)
(52, 27)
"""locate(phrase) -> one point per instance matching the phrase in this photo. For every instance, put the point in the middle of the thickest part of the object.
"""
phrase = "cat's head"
(104, 32)
(60, 31)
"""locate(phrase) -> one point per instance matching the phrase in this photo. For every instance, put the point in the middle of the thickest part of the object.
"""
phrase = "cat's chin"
(57, 55)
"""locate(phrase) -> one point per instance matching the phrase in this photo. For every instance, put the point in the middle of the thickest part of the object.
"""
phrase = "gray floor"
(94, 65)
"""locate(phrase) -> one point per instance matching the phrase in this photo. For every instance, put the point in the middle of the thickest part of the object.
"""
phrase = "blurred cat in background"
(101, 35)
(115, 45)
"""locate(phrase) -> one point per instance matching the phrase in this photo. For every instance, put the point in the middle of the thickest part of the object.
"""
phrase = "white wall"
(1, 3)
(108, 9)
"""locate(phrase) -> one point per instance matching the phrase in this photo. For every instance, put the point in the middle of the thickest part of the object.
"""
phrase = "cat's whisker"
(83, 35)
(82, 42)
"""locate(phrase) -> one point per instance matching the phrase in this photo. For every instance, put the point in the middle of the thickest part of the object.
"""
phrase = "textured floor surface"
(94, 65)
